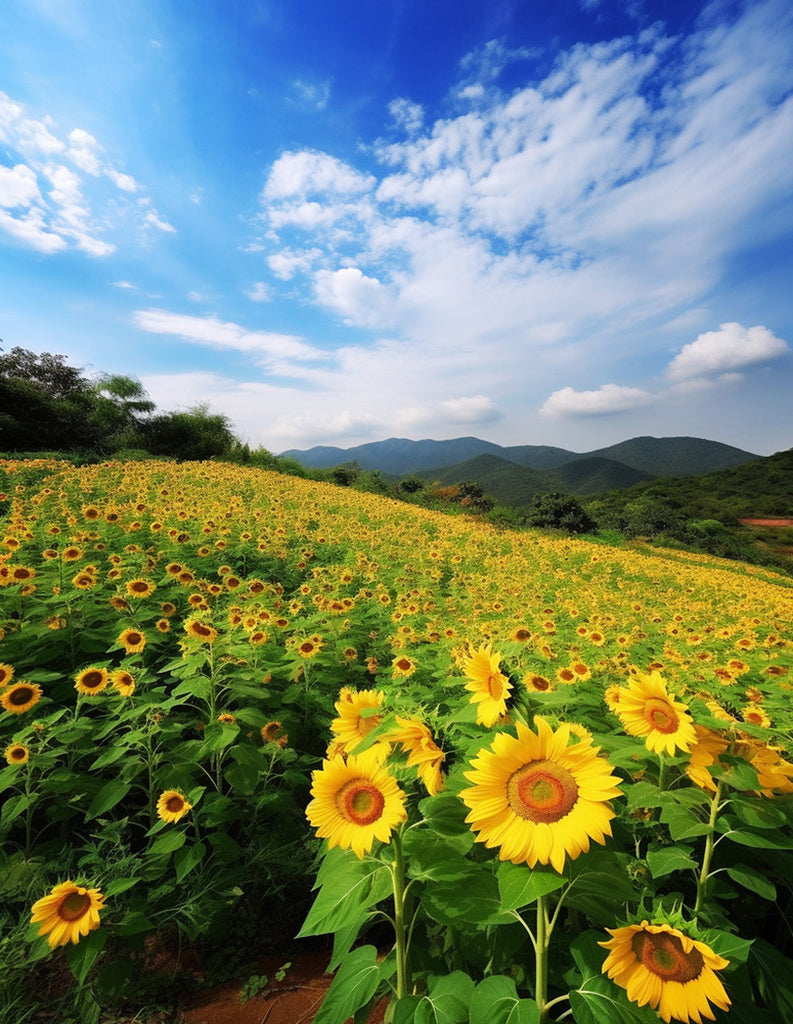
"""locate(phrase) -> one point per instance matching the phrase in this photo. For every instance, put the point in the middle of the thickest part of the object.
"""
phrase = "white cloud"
(209, 330)
(313, 96)
(85, 151)
(732, 347)
(77, 211)
(306, 172)
(407, 115)
(360, 300)
(18, 186)
(259, 292)
(123, 181)
(609, 398)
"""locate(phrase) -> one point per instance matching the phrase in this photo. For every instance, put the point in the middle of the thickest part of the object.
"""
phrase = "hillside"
(655, 457)
(517, 485)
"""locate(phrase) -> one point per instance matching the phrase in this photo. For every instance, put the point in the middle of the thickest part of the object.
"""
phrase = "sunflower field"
(505, 777)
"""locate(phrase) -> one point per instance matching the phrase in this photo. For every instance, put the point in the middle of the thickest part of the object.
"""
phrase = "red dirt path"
(767, 522)
(295, 1000)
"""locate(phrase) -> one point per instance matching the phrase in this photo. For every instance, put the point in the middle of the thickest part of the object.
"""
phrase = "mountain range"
(514, 474)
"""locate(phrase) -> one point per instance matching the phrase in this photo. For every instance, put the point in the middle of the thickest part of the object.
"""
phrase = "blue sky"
(557, 223)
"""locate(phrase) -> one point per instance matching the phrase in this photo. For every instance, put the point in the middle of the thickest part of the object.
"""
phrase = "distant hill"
(617, 466)
(517, 485)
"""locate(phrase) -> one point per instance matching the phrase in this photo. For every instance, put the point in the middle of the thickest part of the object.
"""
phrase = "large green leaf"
(496, 1001)
(520, 885)
(476, 902)
(354, 985)
(348, 887)
(753, 880)
(429, 860)
(108, 796)
(187, 858)
(668, 859)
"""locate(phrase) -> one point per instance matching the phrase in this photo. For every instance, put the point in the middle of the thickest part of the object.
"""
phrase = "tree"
(44, 403)
(119, 403)
(557, 511)
(192, 435)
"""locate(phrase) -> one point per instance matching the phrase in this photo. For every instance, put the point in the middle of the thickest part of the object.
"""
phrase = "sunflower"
(91, 681)
(69, 912)
(753, 714)
(704, 752)
(84, 580)
(403, 666)
(489, 686)
(272, 732)
(423, 753)
(355, 802)
(659, 965)
(539, 796)
(646, 709)
(309, 647)
(16, 753)
(6, 674)
(535, 683)
(123, 682)
(71, 553)
(200, 631)
(172, 806)
(140, 588)
(353, 725)
(132, 640)
(20, 697)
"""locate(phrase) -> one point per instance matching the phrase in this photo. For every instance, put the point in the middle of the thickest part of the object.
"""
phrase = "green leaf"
(445, 814)
(242, 778)
(347, 886)
(447, 1000)
(354, 985)
(167, 843)
(429, 860)
(668, 859)
(520, 885)
(759, 840)
(118, 885)
(83, 956)
(495, 1001)
(758, 813)
(476, 902)
(682, 823)
(752, 880)
(599, 1001)
(108, 796)
(643, 794)
(731, 947)
(187, 858)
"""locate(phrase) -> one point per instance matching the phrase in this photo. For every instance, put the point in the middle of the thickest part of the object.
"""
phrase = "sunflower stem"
(541, 958)
(704, 873)
(661, 772)
(400, 934)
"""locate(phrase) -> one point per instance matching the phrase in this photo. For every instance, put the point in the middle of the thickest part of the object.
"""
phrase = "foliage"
(559, 512)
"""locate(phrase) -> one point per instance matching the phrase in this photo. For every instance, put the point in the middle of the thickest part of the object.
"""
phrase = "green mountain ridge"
(665, 456)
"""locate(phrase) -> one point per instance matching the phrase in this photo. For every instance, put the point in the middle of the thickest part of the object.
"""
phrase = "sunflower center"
(542, 791)
(74, 906)
(360, 802)
(17, 753)
(664, 956)
(540, 683)
(21, 695)
(134, 638)
(661, 715)
(174, 804)
(92, 679)
(495, 686)
(365, 725)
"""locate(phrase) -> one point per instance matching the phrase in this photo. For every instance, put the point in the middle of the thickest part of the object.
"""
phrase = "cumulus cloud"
(360, 300)
(407, 115)
(18, 186)
(609, 398)
(307, 172)
(732, 347)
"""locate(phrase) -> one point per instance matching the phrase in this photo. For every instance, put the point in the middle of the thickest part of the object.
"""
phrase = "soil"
(767, 522)
(294, 1000)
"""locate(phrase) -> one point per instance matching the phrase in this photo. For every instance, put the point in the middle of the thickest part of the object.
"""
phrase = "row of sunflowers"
(553, 778)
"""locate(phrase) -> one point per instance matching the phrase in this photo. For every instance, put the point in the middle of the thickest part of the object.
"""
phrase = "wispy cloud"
(70, 206)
